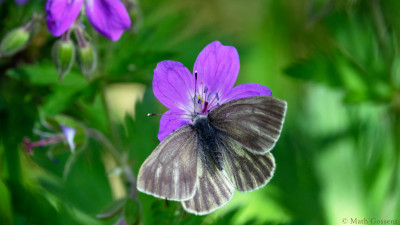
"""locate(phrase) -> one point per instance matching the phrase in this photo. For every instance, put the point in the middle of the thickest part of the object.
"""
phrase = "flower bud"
(87, 59)
(14, 41)
(63, 56)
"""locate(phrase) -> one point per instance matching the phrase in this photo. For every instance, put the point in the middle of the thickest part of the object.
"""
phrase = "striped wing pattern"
(254, 122)
(213, 191)
(170, 172)
(246, 130)
(247, 171)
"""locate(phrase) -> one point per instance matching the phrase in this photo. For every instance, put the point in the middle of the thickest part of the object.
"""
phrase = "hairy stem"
(100, 137)
(381, 29)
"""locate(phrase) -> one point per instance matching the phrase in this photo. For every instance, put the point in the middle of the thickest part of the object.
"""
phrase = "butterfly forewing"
(213, 191)
(254, 122)
(246, 170)
(171, 170)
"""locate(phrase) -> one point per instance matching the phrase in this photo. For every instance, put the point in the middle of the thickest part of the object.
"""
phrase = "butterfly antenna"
(153, 114)
(157, 114)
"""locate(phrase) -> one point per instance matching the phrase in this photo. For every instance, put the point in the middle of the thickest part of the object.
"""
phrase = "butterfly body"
(209, 150)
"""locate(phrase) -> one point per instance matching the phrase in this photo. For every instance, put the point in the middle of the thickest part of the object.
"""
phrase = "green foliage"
(336, 63)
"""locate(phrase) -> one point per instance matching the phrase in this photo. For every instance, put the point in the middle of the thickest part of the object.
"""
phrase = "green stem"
(315, 18)
(13, 163)
(80, 37)
(100, 137)
(113, 150)
(396, 139)
(381, 29)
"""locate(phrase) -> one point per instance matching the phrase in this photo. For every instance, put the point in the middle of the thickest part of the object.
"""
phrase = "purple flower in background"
(217, 68)
(21, 2)
(109, 17)
(69, 134)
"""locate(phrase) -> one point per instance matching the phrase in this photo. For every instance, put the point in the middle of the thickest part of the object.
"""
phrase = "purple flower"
(68, 134)
(108, 17)
(217, 68)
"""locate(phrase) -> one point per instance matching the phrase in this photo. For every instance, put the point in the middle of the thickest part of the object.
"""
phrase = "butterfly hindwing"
(254, 122)
(213, 191)
(171, 170)
(246, 170)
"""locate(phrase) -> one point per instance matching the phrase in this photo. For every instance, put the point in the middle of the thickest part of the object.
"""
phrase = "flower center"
(205, 102)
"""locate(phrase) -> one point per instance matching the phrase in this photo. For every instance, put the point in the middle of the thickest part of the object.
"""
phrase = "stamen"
(205, 107)
(195, 92)
(205, 89)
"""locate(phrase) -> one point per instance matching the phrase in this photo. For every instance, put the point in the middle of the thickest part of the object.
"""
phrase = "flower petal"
(61, 14)
(108, 17)
(170, 121)
(69, 134)
(246, 90)
(217, 68)
(173, 85)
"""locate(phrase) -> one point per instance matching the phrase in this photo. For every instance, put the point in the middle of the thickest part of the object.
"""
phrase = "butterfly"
(201, 164)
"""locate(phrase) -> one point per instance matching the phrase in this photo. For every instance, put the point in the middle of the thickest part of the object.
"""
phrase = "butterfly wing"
(170, 171)
(254, 122)
(213, 191)
(247, 171)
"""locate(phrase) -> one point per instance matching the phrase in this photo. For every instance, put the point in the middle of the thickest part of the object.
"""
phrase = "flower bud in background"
(64, 55)
(87, 55)
(87, 59)
(14, 41)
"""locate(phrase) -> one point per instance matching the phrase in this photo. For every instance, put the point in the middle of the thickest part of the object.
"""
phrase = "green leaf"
(317, 69)
(132, 212)
(45, 73)
(63, 92)
(5, 204)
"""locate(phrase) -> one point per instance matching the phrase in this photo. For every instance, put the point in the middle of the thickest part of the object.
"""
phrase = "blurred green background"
(336, 63)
